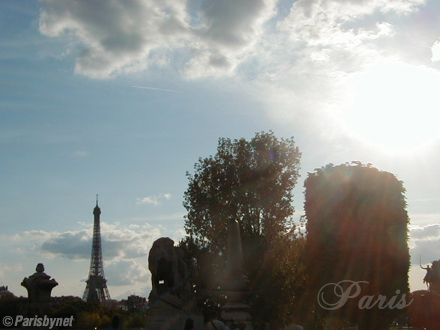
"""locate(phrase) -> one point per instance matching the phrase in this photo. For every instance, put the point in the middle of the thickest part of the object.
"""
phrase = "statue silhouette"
(39, 287)
(428, 277)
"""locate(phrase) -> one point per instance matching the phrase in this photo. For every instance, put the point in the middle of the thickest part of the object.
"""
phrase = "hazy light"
(393, 105)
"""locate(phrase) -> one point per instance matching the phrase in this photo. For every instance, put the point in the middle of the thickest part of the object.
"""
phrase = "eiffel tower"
(96, 288)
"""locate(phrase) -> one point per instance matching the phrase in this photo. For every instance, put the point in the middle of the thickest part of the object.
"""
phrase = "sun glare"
(393, 105)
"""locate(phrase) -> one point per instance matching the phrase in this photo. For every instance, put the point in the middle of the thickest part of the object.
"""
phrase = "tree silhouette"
(251, 181)
(357, 231)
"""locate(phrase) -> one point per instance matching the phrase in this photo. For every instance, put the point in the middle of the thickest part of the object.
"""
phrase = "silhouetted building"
(5, 292)
(135, 303)
(96, 288)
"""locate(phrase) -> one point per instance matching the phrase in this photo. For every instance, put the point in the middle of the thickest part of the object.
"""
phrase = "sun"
(394, 106)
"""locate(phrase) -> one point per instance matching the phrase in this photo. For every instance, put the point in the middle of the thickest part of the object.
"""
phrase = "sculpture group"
(172, 304)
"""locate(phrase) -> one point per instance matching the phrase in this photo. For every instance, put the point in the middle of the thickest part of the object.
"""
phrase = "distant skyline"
(120, 98)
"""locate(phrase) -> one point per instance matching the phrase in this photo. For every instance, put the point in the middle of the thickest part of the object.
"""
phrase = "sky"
(121, 97)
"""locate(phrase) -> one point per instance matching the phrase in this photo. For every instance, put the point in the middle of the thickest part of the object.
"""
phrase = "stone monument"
(39, 287)
(236, 283)
(171, 304)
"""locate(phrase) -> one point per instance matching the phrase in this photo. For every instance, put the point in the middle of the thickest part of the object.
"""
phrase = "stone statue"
(432, 277)
(428, 277)
(39, 287)
(171, 303)
(169, 272)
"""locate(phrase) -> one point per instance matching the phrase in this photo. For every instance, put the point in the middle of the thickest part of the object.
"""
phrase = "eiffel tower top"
(96, 210)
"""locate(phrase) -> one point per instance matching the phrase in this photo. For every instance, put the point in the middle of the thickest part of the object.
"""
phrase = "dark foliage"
(250, 181)
(424, 311)
(357, 230)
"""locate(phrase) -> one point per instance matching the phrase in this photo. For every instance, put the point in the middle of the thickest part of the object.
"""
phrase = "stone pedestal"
(168, 314)
(236, 312)
(39, 287)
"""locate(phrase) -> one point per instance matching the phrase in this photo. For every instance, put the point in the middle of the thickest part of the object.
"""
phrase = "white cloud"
(300, 65)
(119, 36)
(153, 200)
(66, 255)
(10, 269)
(114, 35)
(425, 243)
(148, 200)
(128, 242)
(127, 272)
(295, 58)
(335, 23)
(179, 234)
(25, 243)
(426, 232)
(435, 49)
(118, 242)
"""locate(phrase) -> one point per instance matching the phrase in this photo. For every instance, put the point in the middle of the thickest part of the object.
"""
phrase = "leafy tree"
(357, 231)
(280, 284)
(135, 321)
(250, 181)
(11, 305)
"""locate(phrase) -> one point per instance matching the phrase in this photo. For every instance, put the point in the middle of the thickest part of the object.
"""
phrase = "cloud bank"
(117, 36)
(425, 243)
(125, 250)
(214, 38)
(118, 242)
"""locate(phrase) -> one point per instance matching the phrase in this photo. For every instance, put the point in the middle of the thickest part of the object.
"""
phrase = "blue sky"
(120, 98)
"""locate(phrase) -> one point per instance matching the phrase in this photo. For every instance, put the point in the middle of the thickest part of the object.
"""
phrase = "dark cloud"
(427, 232)
(213, 38)
(120, 35)
(117, 242)
(219, 61)
(231, 22)
(72, 245)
